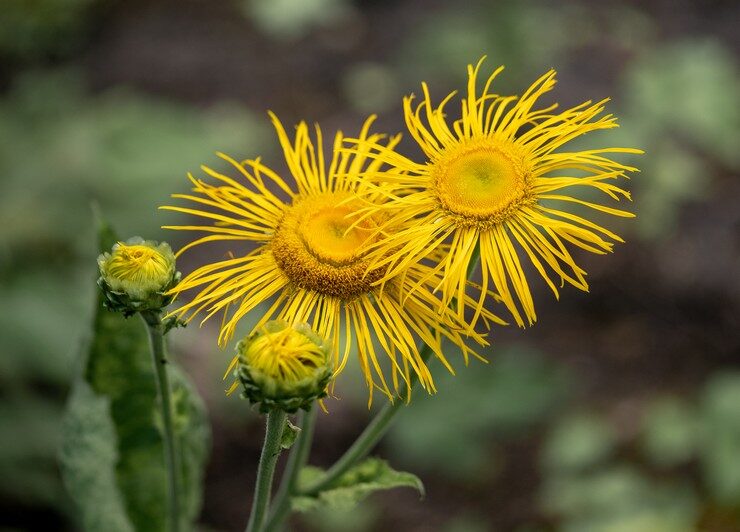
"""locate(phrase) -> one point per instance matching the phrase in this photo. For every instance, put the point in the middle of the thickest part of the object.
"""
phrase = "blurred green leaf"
(362, 518)
(578, 442)
(721, 437)
(363, 479)
(30, 29)
(519, 389)
(113, 426)
(125, 150)
(371, 87)
(619, 499)
(291, 19)
(682, 106)
(689, 89)
(670, 431)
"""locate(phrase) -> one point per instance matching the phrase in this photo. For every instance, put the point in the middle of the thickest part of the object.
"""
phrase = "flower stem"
(378, 426)
(365, 441)
(297, 459)
(266, 469)
(156, 343)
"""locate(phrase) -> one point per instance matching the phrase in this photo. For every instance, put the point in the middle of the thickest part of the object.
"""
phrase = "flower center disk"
(481, 184)
(319, 249)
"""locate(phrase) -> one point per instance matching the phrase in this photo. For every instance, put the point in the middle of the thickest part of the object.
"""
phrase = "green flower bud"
(283, 367)
(136, 276)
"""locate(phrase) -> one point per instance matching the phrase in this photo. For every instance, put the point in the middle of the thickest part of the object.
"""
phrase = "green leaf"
(290, 433)
(88, 460)
(112, 449)
(362, 480)
(720, 406)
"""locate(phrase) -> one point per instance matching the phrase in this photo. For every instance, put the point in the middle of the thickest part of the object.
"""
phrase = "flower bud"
(283, 367)
(136, 275)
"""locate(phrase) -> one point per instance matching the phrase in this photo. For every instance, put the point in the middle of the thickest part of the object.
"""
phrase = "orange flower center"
(319, 247)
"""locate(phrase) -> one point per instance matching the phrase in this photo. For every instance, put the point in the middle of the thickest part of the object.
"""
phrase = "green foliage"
(290, 434)
(620, 499)
(371, 87)
(292, 19)
(682, 108)
(528, 36)
(671, 432)
(578, 442)
(721, 438)
(589, 488)
(362, 518)
(363, 479)
(89, 460)
(29, 29)
(62, 148)
(518, 390)
(112, 429)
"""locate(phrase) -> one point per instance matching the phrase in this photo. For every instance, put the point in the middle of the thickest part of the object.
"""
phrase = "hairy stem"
(156, 343)
(266, 469)
(297, 459)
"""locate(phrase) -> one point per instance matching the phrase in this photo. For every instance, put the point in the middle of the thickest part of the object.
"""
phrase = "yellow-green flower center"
(318, 247)
(481, 183)
(139, 263)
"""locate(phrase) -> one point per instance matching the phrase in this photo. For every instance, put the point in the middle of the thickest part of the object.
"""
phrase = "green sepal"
(128, 306)
(360, 481)
(300, 397)
(290, 434)
(172, 323)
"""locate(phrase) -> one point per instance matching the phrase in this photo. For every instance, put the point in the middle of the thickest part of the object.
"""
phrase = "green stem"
(377, 427)
(365, 441)
(266, 469)
(156, 343)
(297, 459)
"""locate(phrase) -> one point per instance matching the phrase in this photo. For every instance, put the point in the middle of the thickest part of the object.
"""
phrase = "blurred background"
(619, 411)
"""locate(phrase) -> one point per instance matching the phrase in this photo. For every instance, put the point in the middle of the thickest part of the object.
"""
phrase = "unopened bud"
(136, 275)
(284, 366)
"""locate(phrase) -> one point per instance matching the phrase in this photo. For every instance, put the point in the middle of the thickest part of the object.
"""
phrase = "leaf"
(88, 459)
(290, 433)
(112, 431)
(362, 480)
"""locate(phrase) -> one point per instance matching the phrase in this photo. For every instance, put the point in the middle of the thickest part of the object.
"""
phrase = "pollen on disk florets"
(283, 366)
(136, 274)
(480, 183)
(318, 248)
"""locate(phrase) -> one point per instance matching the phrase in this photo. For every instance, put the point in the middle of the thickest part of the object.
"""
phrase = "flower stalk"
(296, 460)
(153, 321)
(266, 469)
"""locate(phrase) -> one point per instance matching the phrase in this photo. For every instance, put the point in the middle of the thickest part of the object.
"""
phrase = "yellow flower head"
(135, 275)
(309, 264)
(495, 181)
(282, 366)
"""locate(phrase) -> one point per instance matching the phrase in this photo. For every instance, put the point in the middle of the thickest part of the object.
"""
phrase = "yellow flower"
(282, 366)
(135, 275)
(308, 262)
(495, 182)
